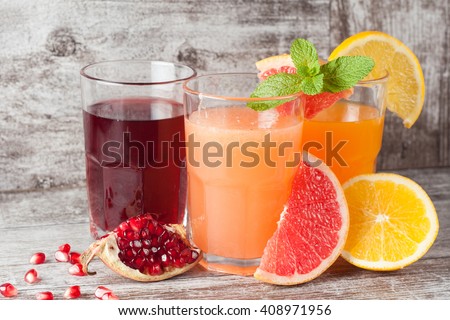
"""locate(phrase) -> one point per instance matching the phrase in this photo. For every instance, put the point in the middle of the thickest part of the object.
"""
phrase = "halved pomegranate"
(143, 249)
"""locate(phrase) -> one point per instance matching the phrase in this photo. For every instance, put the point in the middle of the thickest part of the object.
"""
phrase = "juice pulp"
(359, 127)
(129, 167)
(233, 208)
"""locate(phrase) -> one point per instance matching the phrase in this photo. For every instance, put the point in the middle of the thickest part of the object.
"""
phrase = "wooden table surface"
(42, 220)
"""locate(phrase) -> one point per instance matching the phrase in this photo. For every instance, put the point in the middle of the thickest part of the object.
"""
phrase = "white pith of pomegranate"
(144, 250)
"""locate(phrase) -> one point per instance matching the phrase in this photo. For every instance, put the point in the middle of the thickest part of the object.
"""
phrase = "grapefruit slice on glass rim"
(312, 228)
(313, 104)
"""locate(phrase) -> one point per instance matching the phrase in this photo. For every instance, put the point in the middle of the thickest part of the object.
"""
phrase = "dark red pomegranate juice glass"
(134, 141)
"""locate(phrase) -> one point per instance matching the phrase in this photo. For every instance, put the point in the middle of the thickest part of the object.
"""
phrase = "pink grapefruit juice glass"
(240, 165)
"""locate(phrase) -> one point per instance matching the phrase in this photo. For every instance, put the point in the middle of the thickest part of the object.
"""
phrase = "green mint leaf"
(277, 85)
(305, 58)
(312, 85)
(344, 72)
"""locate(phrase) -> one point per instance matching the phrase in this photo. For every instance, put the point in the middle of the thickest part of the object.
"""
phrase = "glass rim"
(381, 79)
(189, 90)
(84, 72)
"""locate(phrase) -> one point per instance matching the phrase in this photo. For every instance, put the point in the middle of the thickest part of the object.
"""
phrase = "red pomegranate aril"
(146, 243)
(159, 230)
(31, 276)
(156, 270)
(179, 262)
(77, 270)
(101, 291)
(173, 253)
(37, 258)
(186, 253)
(137, 244)
(131, 235)
(64, 248)
(144, 233)
(8, 290)
(72, 292)
(46, 295)
(61, 256)
(74, 257)
(165, 260)
(123, 243)
(144, 252)
(138, 262)
(136, 224)
(164, 237)
(110, 296)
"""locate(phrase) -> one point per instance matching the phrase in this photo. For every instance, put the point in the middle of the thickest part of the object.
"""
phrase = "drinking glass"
(241, 165)
(348, 135)
(134, 141)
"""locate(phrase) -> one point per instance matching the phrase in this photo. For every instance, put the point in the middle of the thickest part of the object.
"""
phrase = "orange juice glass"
(240, 165)
(348, 135)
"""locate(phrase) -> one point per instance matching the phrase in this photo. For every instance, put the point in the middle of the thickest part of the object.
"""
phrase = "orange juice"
(235, 204)
(347, 136)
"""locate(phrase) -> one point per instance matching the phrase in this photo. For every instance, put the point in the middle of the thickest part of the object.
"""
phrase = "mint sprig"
(311, 78)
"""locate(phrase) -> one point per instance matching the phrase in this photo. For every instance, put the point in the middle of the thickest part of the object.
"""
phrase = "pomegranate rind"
(280, 240)
(107, 250)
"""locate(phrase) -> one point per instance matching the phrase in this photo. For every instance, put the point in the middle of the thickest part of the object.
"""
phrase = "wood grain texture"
(36, 221)
(45, 43)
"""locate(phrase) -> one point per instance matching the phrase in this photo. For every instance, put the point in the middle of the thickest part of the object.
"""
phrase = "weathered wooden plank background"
(44, 43)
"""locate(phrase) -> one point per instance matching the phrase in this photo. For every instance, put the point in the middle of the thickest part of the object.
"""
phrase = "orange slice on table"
(406, 85)
(393, 222)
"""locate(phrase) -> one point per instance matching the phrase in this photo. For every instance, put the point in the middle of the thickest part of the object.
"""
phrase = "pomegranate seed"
(74, 257)
(72, 292)
(37, 258)
(101, 291)
(46, 295)
(31, 276)
(64, 248)
(8, 290)
(110, 296)
(61, 256)
(77, 270)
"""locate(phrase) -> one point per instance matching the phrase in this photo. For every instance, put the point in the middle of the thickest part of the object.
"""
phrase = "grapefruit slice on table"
(312, 229)
(313, 104)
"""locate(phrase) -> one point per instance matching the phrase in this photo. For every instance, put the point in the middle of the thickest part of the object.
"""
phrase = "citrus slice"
(313, 104)
(393, 222)
(406, 85)
(312, 228)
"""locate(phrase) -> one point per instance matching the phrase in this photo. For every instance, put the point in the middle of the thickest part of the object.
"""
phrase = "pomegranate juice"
(135, 161)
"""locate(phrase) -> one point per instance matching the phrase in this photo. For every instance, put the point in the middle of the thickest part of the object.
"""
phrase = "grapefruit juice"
(347, 137)
(235, 201)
